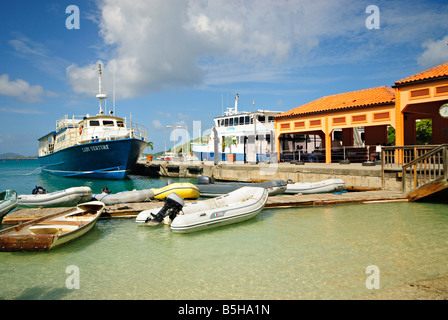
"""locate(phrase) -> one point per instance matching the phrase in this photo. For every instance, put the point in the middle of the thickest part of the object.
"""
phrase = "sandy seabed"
(433, 289)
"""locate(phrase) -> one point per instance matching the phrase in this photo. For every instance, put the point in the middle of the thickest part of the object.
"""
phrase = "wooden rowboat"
(47, 232)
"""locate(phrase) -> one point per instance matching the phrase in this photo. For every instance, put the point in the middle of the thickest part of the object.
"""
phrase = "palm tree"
(228, 142)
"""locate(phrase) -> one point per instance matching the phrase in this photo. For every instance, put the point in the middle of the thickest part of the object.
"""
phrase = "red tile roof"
(343, 101)
(428, 75)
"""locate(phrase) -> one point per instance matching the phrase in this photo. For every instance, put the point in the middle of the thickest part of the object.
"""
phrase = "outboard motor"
(205, 180)
(173, 205)
(39, 190)
(105, 190)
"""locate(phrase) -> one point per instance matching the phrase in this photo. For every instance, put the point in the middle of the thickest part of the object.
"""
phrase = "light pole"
(174, 144)
(185, 153)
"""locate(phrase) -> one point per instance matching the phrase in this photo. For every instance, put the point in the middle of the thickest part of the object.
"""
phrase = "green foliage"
(391, 136)
(229, 141)
(423, 129)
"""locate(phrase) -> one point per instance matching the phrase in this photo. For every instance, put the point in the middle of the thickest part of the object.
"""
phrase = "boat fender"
(205, 180)
(289, 181)
(105, 190)
(39, 190)
(173, 205)
(80, 129)
(170, 181)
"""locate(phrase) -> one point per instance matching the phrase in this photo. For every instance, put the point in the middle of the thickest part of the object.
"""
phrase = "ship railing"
(104, 133)
(70, 139)
(137, 131)
(75, 136)
(68, 122)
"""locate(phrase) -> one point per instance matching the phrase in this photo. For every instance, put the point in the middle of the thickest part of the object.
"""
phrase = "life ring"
(80, 129)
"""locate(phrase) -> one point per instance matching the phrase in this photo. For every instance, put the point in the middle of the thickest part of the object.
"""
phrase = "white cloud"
(153, 49)
(181, 115)
(157, 124)
(19, 110)
(20, 89)
(435, 53)
(164, 114)
(161, 44)
(38, 55)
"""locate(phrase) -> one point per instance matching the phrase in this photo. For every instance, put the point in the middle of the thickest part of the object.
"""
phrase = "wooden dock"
(131, 210)
(326, 199)
(432, 189)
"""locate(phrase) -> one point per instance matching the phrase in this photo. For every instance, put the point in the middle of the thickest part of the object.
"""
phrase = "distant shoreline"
(19, 158)
(14, 156)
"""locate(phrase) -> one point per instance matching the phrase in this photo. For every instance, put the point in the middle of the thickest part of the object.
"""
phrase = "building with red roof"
(361, 118)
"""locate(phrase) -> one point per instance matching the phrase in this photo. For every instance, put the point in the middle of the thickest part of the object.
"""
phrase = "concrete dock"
(357, 176)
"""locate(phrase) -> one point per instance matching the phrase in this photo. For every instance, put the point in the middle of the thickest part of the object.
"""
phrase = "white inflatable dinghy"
(64, 198)
(236, 206)
(8, 201)
(330, 185)
(124, 197)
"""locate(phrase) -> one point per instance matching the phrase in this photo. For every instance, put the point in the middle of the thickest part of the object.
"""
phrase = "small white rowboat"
(330, 185)
(47, 232)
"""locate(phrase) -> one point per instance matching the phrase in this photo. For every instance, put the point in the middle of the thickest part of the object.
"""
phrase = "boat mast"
(114, 93)
(101, 96)
(236, 104)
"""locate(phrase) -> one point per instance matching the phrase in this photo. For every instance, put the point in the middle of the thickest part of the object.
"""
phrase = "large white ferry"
(245, 136)
(100, 146)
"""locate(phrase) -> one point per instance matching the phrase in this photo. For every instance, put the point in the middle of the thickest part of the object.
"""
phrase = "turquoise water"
(24, 175)
(298, 253)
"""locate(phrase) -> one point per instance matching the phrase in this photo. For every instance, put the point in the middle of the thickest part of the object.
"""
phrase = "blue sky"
(179, 61)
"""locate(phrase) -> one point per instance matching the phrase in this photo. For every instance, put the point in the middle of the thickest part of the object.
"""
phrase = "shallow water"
(297, 253)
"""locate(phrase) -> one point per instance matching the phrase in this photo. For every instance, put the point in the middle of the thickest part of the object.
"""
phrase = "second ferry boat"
(239, 136)
(101, 146)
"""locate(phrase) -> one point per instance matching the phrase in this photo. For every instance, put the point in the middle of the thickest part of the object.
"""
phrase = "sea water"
(294, 253)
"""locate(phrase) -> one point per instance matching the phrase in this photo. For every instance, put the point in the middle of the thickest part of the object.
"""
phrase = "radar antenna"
(101, 96)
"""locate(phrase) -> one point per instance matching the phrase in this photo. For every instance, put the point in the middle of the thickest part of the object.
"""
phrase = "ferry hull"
(112, 159)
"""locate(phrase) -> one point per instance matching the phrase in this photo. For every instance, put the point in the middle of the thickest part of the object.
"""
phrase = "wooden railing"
(430, 166)
(396, 157)
(350, 153)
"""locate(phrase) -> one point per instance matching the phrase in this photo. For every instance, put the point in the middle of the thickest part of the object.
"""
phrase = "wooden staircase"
(427, 174)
